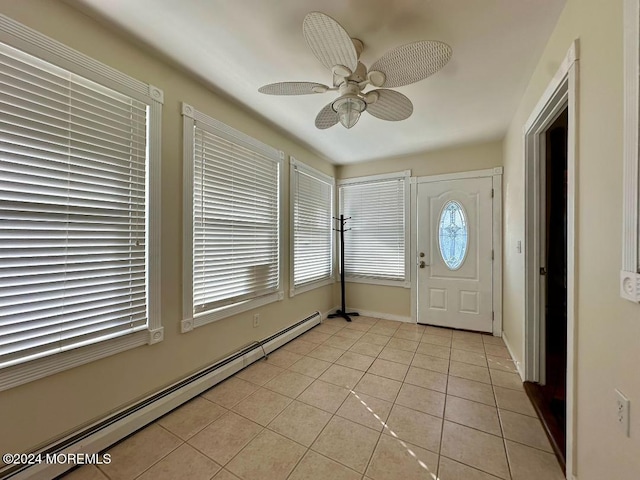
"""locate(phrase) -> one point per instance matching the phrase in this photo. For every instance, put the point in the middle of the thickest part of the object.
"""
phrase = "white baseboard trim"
(328, 312)
(517, 362)
(384, 316)
(114, 428)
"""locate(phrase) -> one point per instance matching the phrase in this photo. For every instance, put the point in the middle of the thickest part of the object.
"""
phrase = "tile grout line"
(315, 438)
(266, 427)
(475, 428)
(333, 415)
(394, 403)
(226, 410)
(223, 465)
(169, 453)
(307, 449)
(131, 435)
(375, 447)
(444, 406)
(472, 467)
(504, 440)
(242, 449)
(444, 412)
(452, 421)
(323, 456)
(108, 477)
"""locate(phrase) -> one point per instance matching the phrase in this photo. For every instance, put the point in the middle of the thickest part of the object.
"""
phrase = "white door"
(455, 243)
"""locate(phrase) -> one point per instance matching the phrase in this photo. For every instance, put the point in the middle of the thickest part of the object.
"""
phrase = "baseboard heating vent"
(99, 436)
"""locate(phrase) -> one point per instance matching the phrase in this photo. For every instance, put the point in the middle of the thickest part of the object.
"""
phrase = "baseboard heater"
(100, 435)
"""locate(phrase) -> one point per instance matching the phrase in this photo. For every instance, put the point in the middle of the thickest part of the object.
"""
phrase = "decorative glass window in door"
(453, 235)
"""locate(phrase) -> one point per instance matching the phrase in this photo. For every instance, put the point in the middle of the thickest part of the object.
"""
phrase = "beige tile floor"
(367, 400)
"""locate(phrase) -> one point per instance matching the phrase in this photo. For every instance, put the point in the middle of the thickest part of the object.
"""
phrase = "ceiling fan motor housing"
(349, 88)
(358, 75)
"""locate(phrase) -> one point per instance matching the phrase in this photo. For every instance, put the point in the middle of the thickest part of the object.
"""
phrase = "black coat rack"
(343, 311)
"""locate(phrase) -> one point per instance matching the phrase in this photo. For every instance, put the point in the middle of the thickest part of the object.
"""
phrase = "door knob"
(422, 264)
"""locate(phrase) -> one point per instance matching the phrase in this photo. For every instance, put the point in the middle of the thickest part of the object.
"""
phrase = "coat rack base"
(346, 315)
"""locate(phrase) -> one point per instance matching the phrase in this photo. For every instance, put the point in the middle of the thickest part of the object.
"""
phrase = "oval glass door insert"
(453, 235)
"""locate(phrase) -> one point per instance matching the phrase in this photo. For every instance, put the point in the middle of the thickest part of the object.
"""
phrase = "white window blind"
(73, 158)
(312, 224)
(236, 255)
(375, 244)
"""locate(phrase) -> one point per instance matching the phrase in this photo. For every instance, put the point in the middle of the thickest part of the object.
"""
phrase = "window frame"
(295, 166)
(190, 321)
(406, 176)
(34, 43)
(630, 271)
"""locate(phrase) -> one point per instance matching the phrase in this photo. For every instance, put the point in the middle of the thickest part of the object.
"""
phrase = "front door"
(455, 245)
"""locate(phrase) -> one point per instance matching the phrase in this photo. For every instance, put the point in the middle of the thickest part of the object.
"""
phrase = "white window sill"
(205, 318)
(379, 281)
(42, 367)
(310, 286)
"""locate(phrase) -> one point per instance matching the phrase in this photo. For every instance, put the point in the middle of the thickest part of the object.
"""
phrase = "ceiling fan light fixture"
(349, 108)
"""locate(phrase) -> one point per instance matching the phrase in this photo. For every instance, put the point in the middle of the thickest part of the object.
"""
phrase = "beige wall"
(396, 301)
(608, 341)
(39, 411)
(450, 160)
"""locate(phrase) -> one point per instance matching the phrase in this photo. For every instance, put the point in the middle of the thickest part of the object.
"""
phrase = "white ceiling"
(237, 46)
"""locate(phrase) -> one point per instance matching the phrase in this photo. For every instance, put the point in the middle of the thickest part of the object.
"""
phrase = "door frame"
(540, 179)
(496, 175)
(561, 93)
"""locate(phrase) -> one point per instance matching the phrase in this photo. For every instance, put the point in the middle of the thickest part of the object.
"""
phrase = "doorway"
(559, 96)
(457, 225)
(549, 392)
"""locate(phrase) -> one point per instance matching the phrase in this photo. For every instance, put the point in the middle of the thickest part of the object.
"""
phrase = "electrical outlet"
(622, 411)
(256, 320)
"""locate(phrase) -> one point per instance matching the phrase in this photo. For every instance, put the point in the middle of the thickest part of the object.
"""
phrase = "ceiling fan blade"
(412, 62)
(327, 117)
(328, 41)
(293, 88)
(390, 105)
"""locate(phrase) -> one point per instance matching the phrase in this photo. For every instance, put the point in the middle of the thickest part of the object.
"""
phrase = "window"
(79, 146)
(453, 235)
(232, 221)
(311, 228)
(376, 244)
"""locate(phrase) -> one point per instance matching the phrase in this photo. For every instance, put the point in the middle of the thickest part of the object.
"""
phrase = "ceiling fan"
(336, 50)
